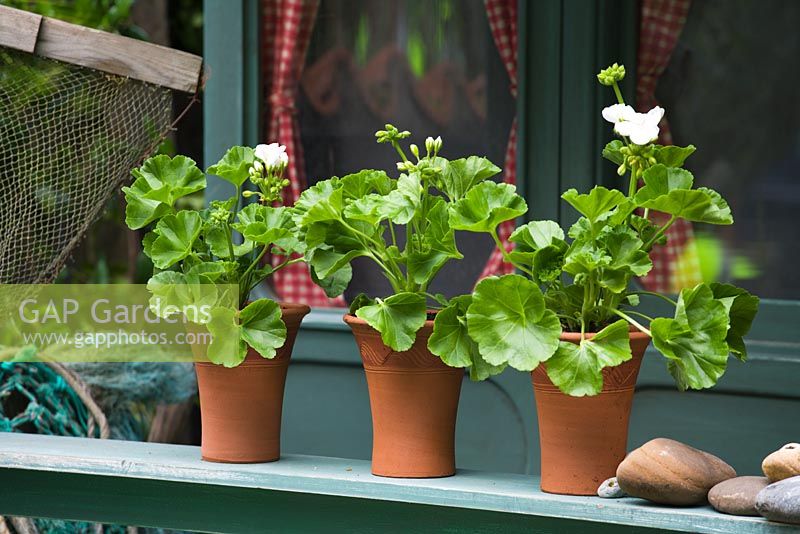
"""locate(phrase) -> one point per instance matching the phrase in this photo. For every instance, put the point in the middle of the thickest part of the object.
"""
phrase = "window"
(428, 66)
(731, 89)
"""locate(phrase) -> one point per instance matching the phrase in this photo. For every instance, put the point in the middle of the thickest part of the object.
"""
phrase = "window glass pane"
(428, 66)
(731, 89)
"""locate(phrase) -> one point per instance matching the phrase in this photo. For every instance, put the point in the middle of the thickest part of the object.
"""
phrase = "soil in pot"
(240, 407)
(413, 396)
(583, 439)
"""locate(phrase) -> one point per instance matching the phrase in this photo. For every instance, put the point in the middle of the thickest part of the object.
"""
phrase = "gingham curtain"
(287, 26)
(502, 16)
(675, 264)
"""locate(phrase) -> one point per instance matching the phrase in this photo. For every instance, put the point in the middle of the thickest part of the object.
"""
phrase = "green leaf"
(175, 293)
(627, 257)
(215, 237)
(397, 318)
(460, 175)
(697, 205)
(537, 234)
(595, 205)
(267, 225)
(235, 165)
(176, 236)
(660, 180)
(577, 369)
(262, 327)
(335, 284)
(320, 202)
(485, 206)
(451, 342)
(326, 262)
(160, 181)
(227, 347)
(211, 272)
(365, 182)
(742, 308)
(673, 156)
(362, 299)
(611, 152)
(401, 205)
(509, 322)
(437, 245)
(694, 341)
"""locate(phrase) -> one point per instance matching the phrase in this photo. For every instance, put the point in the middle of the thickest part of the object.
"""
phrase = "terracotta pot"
(240, 407)
(414, 400)
(583, 439)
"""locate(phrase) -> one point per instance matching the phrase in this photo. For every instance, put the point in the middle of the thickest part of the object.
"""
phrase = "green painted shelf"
(169, 486)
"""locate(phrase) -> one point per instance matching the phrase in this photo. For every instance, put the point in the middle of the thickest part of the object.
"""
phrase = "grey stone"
(780, 501)
(669, 472)
(783, 463)
(737, 496)
(610, 489)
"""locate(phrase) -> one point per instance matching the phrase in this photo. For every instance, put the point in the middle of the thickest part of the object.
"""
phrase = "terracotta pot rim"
(635, 333)
(355, 320)
(294, 308)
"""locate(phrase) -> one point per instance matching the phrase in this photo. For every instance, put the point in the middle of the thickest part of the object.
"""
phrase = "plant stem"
(642, 315)
(654, 294)
(632, 321)
(660, 232)
(506, 257)
(618, 93)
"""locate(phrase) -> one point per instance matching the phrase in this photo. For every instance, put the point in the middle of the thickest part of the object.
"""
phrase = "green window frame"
(560, 135)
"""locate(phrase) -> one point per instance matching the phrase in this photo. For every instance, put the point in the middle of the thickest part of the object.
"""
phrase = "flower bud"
(430, 145)
(247, 193)
(438, 143)
(621, 170)
(612, 74)
(414, 150)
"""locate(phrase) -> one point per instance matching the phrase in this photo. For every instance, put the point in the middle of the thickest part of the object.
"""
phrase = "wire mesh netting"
(68, 138)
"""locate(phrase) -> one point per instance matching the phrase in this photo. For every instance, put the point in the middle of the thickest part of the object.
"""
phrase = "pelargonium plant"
(222, 245)
(359, 215)
(585, 281)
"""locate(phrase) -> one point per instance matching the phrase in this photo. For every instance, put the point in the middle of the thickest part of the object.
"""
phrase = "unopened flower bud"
(612, 74)
(438, 144)
(247, 193)
(621, 170)
(414, 150)
(430, 145)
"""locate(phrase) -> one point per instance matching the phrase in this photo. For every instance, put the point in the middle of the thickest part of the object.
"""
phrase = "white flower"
(272, 155)
(640, 128)
(618, 112)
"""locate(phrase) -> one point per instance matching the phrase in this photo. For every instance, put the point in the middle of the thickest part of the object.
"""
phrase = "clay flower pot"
(414, 400)
(583, 439)
(240, 407)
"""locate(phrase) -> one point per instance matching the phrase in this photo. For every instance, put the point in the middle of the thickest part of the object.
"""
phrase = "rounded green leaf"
(235, 165)
(694, 340)
(227, 347)
(176, 236)
(160, 181)
(577, 369)
(397, 318)
(595, 205)
(262, 327)
(485, 206)
(509, 322)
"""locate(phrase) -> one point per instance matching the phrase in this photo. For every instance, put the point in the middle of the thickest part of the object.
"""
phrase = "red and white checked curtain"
(287, 26)
(502, 16)
(676, 263)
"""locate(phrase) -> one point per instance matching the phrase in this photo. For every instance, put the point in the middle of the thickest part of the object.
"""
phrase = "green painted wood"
(168, 486)
(232, 95)
(539, 101)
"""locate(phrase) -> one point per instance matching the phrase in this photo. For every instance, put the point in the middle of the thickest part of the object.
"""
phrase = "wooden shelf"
(169, 486)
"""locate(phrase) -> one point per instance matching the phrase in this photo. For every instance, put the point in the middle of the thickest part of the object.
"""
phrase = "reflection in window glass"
(428, 66)
(732, 90)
